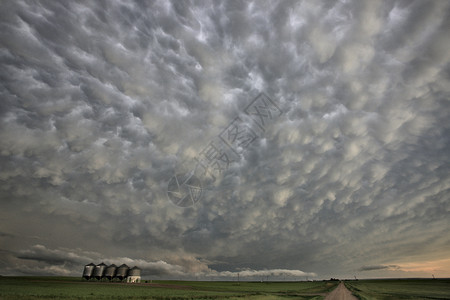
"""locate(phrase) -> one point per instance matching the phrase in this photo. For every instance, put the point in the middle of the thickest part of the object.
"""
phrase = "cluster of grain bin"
(112, 272)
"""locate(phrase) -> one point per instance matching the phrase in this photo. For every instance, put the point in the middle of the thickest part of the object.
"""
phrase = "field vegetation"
(76, 288)
(388, 289)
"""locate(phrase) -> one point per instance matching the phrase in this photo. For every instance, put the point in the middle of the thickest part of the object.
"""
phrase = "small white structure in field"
(134, 275)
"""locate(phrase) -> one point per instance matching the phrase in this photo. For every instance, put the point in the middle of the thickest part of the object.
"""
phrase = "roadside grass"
(31, 288)
(387, 289)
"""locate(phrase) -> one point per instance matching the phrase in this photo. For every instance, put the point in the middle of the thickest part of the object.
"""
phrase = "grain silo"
(99, 271)
(110, 272)
(122, 272)
(134, 275)
(88, 271)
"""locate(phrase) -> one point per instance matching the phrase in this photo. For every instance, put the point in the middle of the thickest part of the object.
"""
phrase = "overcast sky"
(103, 102)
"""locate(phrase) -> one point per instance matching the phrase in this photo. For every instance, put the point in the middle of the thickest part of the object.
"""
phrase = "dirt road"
(340, 293)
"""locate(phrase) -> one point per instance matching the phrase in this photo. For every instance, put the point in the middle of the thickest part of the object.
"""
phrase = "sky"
(204, 139)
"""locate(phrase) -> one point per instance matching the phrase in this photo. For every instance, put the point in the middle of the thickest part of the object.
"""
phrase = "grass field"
(75, 288)
(400, 289)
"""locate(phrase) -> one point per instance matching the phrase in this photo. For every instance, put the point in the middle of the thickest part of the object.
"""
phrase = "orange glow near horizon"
(439, 268)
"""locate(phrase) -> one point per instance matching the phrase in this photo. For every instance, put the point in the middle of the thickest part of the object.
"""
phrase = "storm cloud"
(102, 103)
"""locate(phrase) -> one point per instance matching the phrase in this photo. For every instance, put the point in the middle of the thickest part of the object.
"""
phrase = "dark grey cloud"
(102, 103)
(379, 267)
(55, 257)
(70, 261)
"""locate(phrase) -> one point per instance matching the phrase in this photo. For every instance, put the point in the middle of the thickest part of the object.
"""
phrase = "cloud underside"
(103, 104)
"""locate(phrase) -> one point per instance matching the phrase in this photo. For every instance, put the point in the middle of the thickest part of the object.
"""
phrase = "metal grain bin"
(122, 272)
(88, 271)
(135, 271)
(110, 271)
(99, 271)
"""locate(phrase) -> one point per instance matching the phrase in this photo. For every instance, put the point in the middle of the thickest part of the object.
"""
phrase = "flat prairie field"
(76, 288)
(400, 289)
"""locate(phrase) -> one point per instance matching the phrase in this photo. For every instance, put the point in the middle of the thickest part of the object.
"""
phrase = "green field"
(75, 288)
(400, 289)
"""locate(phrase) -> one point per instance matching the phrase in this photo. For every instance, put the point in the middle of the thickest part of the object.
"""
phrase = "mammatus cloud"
(102, 104)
